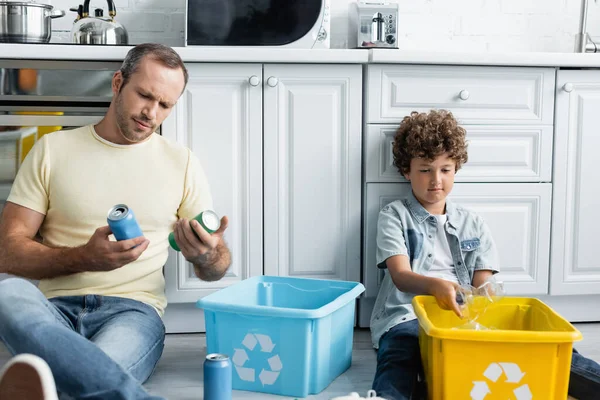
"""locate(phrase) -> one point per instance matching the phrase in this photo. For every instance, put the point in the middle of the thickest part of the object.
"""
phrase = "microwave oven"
(270, 23)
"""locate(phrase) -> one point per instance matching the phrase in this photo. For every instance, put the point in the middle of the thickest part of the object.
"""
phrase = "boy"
(431, 246)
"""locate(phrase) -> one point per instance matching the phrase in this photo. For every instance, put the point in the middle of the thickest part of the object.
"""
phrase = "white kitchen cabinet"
(219, 117)
(517, 214)
(496, 154)
(508, 114)
(312, 171)
(309, 190)
(575, 263)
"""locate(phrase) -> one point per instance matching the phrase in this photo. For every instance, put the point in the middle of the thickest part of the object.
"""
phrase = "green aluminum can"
(209, 220)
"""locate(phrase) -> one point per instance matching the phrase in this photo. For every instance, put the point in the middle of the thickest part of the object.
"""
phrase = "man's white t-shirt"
(74, 177)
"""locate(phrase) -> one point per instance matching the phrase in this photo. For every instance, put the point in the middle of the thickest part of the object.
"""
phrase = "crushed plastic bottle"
(475, 301)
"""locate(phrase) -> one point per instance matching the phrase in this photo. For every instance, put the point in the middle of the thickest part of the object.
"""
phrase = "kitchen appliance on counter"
(26, 21)
(373, 24)
(274, 23)
(98, 29)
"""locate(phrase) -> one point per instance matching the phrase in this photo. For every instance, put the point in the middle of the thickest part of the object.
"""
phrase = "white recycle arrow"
(249, 341)
(493, 372)
(275, 363)
(266, 345)
(480, 390)
(246, 374)
(240, 357)
(268, 377)
(523, 393)
(513, 372)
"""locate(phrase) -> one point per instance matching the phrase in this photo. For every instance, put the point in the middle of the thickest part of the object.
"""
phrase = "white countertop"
(188, 54)
(537, 59)
(288, 55)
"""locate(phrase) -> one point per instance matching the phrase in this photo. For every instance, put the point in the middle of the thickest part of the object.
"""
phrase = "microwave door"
(250, 22)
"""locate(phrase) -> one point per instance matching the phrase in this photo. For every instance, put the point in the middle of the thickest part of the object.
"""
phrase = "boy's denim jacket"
(406, 228)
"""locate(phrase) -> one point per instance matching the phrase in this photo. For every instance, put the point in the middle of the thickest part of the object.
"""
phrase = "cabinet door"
(518, 216)
(312, 170)
(575, 262)
(219, 117)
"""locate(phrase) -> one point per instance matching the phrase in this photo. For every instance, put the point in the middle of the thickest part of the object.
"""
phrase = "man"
(96, 317)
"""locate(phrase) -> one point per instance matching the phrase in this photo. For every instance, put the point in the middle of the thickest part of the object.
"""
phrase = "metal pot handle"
(112, 10)
(57, 13)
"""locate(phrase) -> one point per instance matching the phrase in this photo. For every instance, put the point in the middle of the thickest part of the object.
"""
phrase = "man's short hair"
(164, 54)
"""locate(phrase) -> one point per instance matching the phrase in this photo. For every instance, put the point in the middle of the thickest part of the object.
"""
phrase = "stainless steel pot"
(26, 22)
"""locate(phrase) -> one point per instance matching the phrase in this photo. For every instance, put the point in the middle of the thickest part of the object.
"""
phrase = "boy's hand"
(445, 294)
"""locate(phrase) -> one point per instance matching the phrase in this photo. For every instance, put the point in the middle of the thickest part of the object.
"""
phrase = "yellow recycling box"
(525, 353)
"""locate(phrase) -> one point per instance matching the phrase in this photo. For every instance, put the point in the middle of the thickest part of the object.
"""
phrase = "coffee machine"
(373, 24)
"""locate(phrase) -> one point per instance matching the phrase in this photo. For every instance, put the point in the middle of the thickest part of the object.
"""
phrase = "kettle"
(98, 29)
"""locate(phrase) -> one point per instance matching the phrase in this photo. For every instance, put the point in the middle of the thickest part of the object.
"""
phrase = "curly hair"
(427, 135)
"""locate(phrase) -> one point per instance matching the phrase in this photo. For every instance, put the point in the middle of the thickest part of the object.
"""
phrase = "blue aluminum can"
(217, 377)
(122, 223)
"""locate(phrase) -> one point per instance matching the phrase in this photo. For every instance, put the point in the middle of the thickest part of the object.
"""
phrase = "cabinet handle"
(464, 95)
(272, 81)
(254, 81)
(568, 87)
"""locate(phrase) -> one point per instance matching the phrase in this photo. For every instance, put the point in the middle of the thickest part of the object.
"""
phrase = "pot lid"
(29, 3)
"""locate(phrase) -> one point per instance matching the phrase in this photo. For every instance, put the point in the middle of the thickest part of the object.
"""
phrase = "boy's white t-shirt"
(442, 266)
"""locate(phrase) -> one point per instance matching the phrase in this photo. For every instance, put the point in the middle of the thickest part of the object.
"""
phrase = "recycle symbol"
(493, 372)
(266, 346)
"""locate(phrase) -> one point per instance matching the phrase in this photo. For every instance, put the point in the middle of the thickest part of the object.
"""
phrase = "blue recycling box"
(285, 336)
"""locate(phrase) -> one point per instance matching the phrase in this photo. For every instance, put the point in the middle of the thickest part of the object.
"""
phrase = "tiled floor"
(178, 375)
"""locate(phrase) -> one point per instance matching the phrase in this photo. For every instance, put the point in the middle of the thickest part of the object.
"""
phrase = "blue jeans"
(399, 366)
(98, 347)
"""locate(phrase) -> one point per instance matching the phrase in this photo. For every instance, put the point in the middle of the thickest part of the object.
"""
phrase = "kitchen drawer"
(496, 154)
(475, 95)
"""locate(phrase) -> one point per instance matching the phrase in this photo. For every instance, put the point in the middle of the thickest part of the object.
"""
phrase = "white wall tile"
(177, 24)
(452, 25)
(532, 7)
(66, 4)
(509, 25)
(147, 22)
(431, 25)
(159, 4)
(452, 8)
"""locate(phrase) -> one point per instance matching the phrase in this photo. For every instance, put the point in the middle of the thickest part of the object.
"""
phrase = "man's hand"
(445, 295)
(101, 254)
(199, 249)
